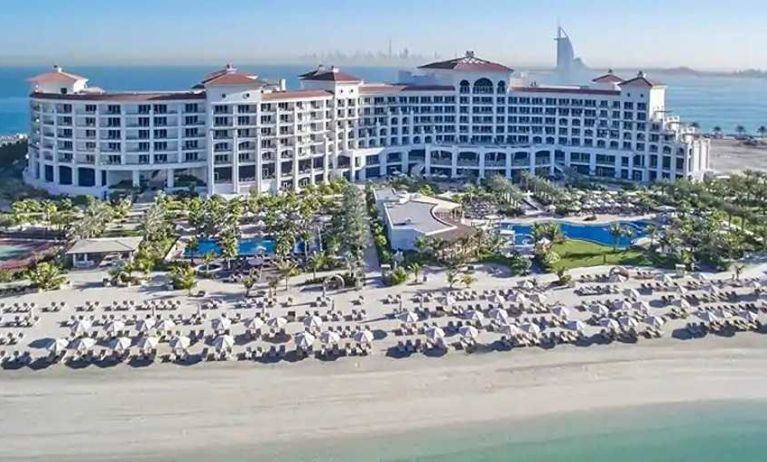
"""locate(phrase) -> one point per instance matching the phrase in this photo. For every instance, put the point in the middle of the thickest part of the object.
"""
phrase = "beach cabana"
(166, 325)
(707, 316)
(510, 330)
(115, 327)
(531, 328)
(475, 316)
(86, 253)
(253, 324)
(609, 323)
(81, 327)
(435, 333)
(145, 325)
(628, 322)
(622, 305)
(560, 311)
(575, 325)
(654, 321)
(599, 309)
(641, 306)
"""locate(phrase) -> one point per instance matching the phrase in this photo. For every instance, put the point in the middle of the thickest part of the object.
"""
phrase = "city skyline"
(639, 33)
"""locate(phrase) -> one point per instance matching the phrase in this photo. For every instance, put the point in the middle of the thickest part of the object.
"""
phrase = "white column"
(136, 178)
(170, 181)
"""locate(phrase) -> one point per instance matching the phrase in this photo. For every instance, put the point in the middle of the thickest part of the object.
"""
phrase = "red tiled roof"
(387, 88)
(639, 80)
(232, 79)
(56, 76)
(122, 97)
(581, 91)
(329, 75)
(608, 78)
(468, 63)
(295, 94)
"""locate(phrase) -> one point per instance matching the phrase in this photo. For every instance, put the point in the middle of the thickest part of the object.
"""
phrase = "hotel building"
(465, 118)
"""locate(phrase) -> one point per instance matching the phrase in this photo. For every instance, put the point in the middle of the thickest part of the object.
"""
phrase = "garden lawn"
(576, 253)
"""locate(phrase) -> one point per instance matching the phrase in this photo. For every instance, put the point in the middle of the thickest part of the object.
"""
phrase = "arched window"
(501, 87)
(483, 86)
(464, 86)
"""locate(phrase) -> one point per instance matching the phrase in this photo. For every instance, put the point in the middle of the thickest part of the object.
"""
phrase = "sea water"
(699, 432)
(710, 101)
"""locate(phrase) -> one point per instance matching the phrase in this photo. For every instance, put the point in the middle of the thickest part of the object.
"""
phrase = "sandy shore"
(728, 155)
(129, 414)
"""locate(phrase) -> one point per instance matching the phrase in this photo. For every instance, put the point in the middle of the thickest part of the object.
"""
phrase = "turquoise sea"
(710, 101)
(698, 432)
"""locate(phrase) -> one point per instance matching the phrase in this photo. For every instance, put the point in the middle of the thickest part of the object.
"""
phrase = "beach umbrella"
(749, 316)
(166, 325)
(680, 290)
(145, 325)
(609, 323)
(499, 314)
(654, 321)
(700, 277)
(114, 327)
(640, 306)
(120, 344)
(304, 340)
(665, 278)
(707, 316)
(277, 323)
(561, 312)
(518, 298)
(81, 327)
(510, 329)
(450, 300)
(223, 342)
(221, 324)
(615, 277)
(313, 322)
(179, 343)
(470, 332)
(408, 317)
(599, 309)
(622, 305)
(527, 285)
(329, 338)
(254, 323)
(724, 314)
(82, 345)
(497, 299)
(538, 298)
(147, 342)
(756, 285)
(474, 315)
(435, 333)
(628, 322)
(531, 328)
(57, 346)
(713, 290)
(631, 293)
(363, 336)
(575, 325)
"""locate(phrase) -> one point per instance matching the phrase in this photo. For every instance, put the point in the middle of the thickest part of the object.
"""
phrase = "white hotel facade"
(467, 117)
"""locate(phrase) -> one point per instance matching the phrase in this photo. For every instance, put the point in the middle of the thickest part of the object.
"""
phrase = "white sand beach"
(130, 414)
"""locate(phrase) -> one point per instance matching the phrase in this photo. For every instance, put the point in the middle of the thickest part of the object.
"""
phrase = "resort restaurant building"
(86, 253)
(464, 118)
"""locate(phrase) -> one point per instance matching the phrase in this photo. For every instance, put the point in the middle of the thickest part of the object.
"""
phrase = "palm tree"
(740, 130)
(468, 279)
(47, 276)
(248, 282)
(193, 246)
(207, 259)
(762, 131)
(415, 268)
(652, 231)
(286, 269)
(452, 276)
(182, 276)
(695, 125)
(616, 231)
(318, 261)
(738, 269)
(717, 131)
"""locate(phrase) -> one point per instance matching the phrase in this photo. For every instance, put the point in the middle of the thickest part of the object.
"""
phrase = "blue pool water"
(248, 247)
(599, 233)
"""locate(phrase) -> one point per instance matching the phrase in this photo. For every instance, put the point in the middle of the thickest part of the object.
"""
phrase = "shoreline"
(150, 413)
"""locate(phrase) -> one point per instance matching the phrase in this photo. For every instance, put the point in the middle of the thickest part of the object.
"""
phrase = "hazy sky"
(710, 34)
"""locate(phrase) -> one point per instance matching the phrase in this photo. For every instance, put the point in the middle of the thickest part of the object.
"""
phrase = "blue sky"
(700, 33)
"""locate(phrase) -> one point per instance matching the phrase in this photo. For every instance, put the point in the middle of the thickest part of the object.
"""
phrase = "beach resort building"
(465, 118)
(409, 217)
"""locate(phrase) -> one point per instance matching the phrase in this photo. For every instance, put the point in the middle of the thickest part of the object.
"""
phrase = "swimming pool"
(599, 233)
(247, 247)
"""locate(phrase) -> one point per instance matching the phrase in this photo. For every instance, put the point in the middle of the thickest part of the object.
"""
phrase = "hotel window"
(90, 108)
(160, 146)
(113, 109)
(144, 109)
(190, 156)
(190, 108)
(143, 146)
(160, 109)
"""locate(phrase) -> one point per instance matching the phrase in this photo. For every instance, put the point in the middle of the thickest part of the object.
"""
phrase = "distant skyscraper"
(569, 68)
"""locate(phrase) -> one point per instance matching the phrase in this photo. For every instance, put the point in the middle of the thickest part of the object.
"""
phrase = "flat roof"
(409, 212)
(123, 96)
(106, 245)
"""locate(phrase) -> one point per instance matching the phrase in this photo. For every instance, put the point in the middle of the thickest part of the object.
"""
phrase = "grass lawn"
(575, 253)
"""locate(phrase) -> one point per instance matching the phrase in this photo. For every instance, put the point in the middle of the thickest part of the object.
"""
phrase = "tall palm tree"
(717, 131)
(286, 269)
(415, 268)
(762, 131)
(193, 246)
(616, 231)
(740, 130)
